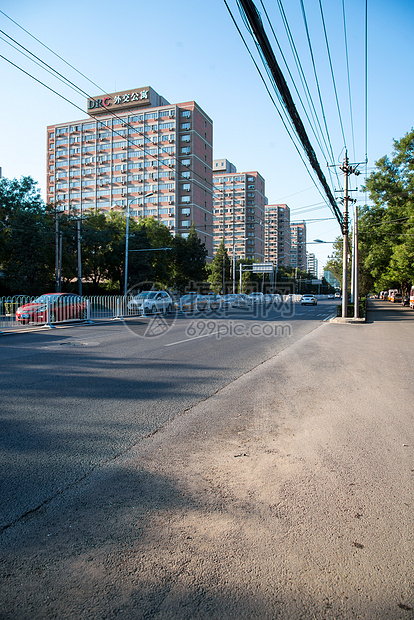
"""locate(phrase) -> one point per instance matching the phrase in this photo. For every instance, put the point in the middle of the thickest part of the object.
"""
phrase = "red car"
(61, 306)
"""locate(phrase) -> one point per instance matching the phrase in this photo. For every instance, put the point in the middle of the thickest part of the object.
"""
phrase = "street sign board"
(316, 281)
(262, 267)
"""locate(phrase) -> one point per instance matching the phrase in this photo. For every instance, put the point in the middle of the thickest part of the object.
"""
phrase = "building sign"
(118, 101)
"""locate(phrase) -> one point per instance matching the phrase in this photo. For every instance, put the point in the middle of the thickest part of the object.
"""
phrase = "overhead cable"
(271, 97)
(349, 78)
(261, 37)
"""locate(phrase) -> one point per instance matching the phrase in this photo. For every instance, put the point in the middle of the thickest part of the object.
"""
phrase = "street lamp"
(234, 260)
(127, 240)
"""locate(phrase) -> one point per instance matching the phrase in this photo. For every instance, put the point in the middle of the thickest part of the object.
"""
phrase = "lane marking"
(171, 344)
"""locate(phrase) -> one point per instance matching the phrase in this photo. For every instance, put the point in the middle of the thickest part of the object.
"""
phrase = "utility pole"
(345, 226)
(79, 253)
(347, 170)
(355, 266)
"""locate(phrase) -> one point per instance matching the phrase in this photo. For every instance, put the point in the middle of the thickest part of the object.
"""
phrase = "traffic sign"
(262, 267)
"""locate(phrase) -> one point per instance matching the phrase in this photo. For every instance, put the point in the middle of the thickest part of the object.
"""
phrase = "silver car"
(308, 300)
(149, 302)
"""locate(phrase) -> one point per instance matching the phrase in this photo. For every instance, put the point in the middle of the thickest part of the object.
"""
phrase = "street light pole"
(127, 240)
(126, 248)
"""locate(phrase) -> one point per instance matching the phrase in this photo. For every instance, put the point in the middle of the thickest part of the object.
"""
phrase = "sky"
(189, 51)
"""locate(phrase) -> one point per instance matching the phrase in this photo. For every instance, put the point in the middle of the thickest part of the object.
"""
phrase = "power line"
(349, 78)
(263, 42)
(81, 91)
(316, 77)
(332, 72)
(270, 95)
(50, 50)
(311, 122)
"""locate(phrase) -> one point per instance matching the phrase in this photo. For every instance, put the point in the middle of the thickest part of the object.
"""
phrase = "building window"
(186, 224)
(186, 138)
(185, 150)
(185, 199)
(185, 114)
(185, 211)
(185, 126)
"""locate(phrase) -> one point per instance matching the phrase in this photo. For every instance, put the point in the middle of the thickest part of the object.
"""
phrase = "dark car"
(52, 307)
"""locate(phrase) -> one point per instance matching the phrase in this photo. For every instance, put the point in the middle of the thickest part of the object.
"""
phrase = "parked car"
(61, 307)
(309, 300)
(395, 297)
(192, 301)
(149, 302)
(230, 300)
(214, 301)
(330, 296)
(392, 292)
(257, 298)
(244, 301)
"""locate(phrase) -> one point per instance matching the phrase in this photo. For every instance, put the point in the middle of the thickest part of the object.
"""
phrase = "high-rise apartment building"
(312, 264)
(298, 245)
(239, 203)
(136, 150)
(277, 235)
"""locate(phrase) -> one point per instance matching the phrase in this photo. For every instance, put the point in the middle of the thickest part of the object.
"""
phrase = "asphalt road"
(288, 493)
(76, 397)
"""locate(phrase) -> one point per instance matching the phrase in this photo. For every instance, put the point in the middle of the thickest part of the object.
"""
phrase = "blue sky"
(190, 50)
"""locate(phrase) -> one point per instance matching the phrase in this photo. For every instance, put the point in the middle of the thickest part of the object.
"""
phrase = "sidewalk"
(288, 494)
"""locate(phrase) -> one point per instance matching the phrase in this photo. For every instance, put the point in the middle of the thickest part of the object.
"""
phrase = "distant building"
(136, 149)
(312, 264)
(330, 278)
(298, 245)
(277, 235)
(223, 165)
(238, 218)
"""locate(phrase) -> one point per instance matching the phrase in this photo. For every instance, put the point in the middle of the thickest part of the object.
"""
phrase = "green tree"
(386, 228)
(159, 236)
(219, 277)
(26, 238)
(189, 262)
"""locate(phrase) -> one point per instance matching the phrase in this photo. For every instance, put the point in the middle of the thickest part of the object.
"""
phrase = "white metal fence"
(24, 311)
(48, 310)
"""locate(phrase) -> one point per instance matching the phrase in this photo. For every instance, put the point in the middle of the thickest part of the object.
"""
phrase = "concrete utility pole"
(355, 266)
(345, 227)
(347, 170)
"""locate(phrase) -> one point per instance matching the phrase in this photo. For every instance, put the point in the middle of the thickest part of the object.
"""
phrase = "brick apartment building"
(239, 210)
(136, 150)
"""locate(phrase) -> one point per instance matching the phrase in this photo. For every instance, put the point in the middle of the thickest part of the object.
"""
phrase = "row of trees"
(386, 229)
(32, 234)
(37, 242)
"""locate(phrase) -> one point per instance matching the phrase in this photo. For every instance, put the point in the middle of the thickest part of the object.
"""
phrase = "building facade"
(239, 203)
(312, 264)
(277, 235)
(298, 245)
(136, 151)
